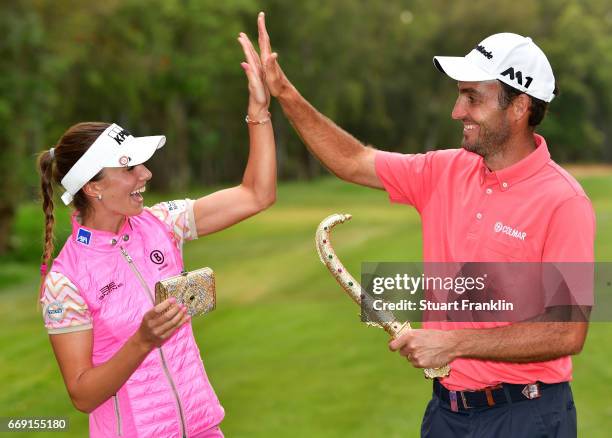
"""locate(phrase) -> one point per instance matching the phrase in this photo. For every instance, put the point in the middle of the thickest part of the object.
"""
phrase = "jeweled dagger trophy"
(381, 318)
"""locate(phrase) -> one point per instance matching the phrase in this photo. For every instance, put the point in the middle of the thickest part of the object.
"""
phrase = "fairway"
(285, 350)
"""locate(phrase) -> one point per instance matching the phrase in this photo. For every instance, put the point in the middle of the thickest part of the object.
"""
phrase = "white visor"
(115, 147)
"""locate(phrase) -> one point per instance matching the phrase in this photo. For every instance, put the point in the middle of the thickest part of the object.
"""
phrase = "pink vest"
(169, 395)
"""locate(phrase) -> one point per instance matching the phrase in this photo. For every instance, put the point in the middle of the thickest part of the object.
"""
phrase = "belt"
(490, 396)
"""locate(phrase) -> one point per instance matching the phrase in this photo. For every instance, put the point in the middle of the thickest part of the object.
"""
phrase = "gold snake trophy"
(383, 319)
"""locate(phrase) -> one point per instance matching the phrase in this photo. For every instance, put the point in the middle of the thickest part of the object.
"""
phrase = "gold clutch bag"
(195, 289)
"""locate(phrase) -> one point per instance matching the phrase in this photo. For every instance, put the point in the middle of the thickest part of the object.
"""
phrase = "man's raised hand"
(276, 80)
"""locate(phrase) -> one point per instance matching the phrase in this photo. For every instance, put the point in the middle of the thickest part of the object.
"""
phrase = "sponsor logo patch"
(517, 76)
(509, 231)
(171, 205)
(487, 54)
(157, 257)
(55, 311)
(106, 290)
(83, 236)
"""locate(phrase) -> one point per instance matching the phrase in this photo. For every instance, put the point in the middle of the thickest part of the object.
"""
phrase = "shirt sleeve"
(179, 217)
(407, 178)
(569, 251)
(63, 308)
(571, 232)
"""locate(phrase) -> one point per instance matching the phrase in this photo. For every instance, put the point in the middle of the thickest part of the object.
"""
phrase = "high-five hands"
(274, 77)
(259, 96)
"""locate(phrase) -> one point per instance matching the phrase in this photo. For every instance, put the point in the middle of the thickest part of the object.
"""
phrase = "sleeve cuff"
(193, 231)
(382, 169)
(71, 329)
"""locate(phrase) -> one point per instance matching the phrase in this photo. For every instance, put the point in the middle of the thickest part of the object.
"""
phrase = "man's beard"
(490, 141)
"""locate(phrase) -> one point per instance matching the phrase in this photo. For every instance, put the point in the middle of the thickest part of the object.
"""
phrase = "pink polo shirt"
(463, 207)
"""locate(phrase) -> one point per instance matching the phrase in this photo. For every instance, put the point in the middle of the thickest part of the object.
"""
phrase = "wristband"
(257, 122)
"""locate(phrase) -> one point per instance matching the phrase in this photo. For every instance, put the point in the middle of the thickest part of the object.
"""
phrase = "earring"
(99, 197)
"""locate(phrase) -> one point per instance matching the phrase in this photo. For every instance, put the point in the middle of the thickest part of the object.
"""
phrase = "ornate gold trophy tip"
(343, 217)
(328, 257)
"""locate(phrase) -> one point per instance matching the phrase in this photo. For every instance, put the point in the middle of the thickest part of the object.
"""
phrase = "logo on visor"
(83, 236)
(118, 134)
(124, 160)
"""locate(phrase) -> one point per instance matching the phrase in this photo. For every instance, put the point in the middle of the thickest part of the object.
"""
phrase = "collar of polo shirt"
(115, 147)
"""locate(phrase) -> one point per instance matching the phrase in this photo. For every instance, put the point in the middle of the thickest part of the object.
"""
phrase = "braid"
(52, 167)
(45, 165)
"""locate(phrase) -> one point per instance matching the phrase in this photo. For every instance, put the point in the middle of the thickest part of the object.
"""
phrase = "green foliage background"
(172, 67)
(284, 350)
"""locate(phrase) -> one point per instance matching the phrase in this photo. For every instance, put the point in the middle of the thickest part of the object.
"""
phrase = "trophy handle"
(353, 288)
(430, 373)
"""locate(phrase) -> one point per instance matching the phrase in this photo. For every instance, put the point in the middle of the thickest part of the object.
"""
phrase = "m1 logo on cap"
(118, 134)
(83, 236)
(517, 76)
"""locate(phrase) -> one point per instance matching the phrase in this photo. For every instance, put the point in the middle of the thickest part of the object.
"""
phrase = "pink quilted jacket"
(169, 395)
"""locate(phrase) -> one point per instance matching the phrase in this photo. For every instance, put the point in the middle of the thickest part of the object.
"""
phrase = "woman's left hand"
(259, 96)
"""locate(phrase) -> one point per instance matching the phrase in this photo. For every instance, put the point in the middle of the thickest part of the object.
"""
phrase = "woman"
(133, 366)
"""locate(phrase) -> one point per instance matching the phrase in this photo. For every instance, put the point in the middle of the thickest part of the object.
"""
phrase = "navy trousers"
(551, 415)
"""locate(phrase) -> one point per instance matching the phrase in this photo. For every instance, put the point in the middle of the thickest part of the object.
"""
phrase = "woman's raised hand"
(259, 96)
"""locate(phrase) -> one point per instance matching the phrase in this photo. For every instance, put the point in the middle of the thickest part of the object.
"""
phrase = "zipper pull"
(126, 255)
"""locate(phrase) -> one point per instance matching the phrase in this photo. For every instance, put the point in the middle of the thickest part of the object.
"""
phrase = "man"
(506, 379)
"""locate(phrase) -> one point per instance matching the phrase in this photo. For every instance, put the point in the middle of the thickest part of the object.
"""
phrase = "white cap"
(511, 58)
(115, 147)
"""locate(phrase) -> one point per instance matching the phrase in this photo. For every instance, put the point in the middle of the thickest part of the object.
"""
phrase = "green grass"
(285, 349)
